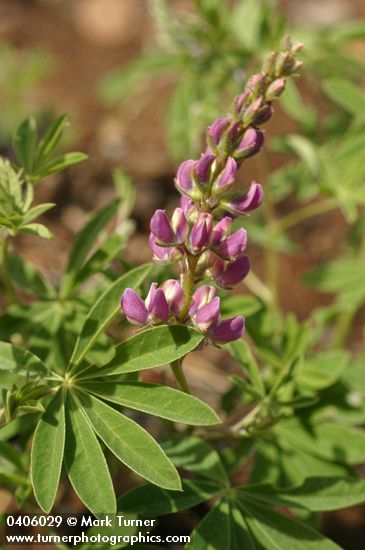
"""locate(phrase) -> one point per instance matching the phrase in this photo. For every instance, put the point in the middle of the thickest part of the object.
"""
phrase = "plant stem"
(305, 213)
(188, 284)
(177, 369)
(6, 281)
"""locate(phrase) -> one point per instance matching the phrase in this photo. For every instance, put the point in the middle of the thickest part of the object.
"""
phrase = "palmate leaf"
(105, 310)
(24, 142)
(47, 452)
(240, 536)
(130, 443)
(25, 276)
(85, 463)
(154, 501)
(154, 399)
(149, 349)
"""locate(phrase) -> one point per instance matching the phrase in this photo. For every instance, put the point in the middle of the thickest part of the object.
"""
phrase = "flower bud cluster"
(198, 236)
(165, 304)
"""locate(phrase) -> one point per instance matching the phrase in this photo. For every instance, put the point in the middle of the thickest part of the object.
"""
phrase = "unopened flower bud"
(163, 253)
(134, 307)
(230, 274)
(263, 114)
(161, 228)
(251, 143)
(216, 131)
(179, 225)
(201, 233)
(234, 245)
(174, 294)
(226, 178)
(275, 89)
(201, 297)
(241, 101)
(250, 201)
(221, 230)
(257, 83)
(228, 330)
(202, 168)
(184, 177)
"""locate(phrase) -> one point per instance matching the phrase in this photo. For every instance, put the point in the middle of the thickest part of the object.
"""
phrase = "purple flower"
(201, 233)
(202, 167)
(161, 228)
(241, 100)
(217, 129)
(251, 143)
(179, 225)
(249, 201)
(201, 297)
(207, 316)
(226, 178)
(234, 245)
(175, 295)
(229, 274)
(184, 177)
(138, 312)
(228, 330)
(156, 304)
(163, 253)
(275, 89)
(221, 230)
(134, 307)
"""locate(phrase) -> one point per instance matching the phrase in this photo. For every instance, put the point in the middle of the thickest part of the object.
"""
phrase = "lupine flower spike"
(198, 237)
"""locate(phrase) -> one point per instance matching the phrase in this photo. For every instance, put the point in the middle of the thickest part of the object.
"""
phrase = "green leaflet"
(83, 242)
(318, 494)
(326, 440)
(152, 500)
(24, 142)
(130, 443)
(195, 455)
(322, 370)
(16, 359)
(85, 463)
(105, 310)
(240, 537)
(274, 531)
(155, 399)
(151, 348)
(213, 532)
(28, 278)
(346, 94)
(47, 452)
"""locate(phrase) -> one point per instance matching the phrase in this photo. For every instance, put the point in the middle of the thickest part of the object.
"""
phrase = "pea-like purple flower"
(154, 309)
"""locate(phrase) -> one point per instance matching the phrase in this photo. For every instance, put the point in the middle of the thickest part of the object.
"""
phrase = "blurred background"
(141, 80)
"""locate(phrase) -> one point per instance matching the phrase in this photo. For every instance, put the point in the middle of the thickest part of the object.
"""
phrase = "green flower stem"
(6, 281)
(177, 369)
(188, 284)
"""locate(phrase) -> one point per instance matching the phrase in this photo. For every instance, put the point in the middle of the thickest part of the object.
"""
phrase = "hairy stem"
(6, 280)
(188, 285)
(177, 369)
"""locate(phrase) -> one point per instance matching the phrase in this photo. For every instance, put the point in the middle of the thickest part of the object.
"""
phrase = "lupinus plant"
(199, 236)
(67, 382)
